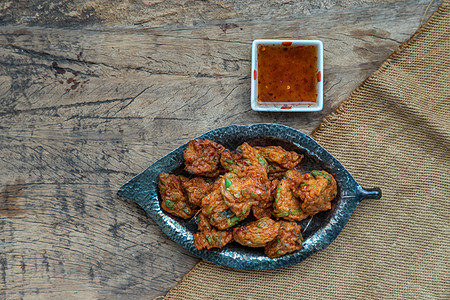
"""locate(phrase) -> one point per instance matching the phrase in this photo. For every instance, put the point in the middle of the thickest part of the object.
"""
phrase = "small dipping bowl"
(293, 72)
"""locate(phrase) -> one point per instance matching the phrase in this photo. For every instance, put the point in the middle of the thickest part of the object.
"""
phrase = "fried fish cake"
(279, 159)
(316, 191)
(286, 204)
(289, 239)
(203, 222)
(212, 239)
(241, 193)
(245, 158)
(202, 157)
(246, 184)
(209, 237)
(197, 188)
(218, 212)
(266, 209)
(174, 199)
(231, 162)
(257, 233)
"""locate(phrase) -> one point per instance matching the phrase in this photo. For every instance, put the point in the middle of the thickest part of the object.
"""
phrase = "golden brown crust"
(197, 188)
(279, 159)
(289, 239)
(174, 199)
(265, 209)
(246, 184)
(316, 191)
(257, 233)
(261, 212)
(203, 222)
(202, 157)
(286, 205)
(212, 239)
(217, 211)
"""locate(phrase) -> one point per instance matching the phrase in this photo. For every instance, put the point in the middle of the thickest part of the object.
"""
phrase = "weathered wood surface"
(92, 96)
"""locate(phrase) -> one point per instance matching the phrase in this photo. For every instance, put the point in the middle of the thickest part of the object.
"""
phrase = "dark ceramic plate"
(318, 231)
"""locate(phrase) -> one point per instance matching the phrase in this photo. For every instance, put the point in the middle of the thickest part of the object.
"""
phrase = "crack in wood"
(63, 106)
(55, 58)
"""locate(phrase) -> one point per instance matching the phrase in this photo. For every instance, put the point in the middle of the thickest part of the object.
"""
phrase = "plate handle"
(374, 193)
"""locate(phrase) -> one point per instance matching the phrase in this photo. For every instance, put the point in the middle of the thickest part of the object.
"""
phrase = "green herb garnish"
(262, 161)
(278, 195)
(316, 173)
(282, 214)
(170, 204)
(227, 183)
(233, 220)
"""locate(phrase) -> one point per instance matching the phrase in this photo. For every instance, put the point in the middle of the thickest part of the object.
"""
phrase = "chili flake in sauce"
(287, 74)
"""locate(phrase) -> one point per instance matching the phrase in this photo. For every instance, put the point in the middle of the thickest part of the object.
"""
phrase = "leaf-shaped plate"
(318, 232)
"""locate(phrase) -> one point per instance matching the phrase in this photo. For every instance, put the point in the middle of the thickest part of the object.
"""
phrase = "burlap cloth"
(393, 132)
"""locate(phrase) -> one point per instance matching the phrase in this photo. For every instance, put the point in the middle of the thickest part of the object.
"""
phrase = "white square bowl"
(294, 106)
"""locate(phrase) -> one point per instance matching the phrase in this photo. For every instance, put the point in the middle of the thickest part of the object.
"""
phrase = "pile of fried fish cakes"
(253, 196)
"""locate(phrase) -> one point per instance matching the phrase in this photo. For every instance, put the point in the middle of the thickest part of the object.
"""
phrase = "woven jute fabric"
(393, 132)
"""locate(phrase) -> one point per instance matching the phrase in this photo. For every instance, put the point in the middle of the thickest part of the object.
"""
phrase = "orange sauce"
(287, 74)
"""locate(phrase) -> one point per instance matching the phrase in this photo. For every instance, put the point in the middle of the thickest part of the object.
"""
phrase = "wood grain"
(86, 105)
(153, 13)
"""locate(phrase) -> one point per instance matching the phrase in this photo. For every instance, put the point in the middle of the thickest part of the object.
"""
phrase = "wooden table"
(93, 92)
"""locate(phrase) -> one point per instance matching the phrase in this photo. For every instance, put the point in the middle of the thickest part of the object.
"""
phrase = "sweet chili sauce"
(287, 73)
